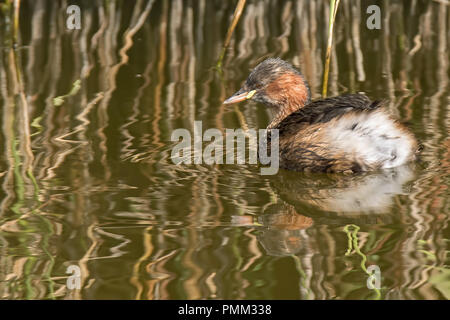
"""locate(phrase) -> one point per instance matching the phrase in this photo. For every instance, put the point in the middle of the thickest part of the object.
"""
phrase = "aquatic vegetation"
(334, 4)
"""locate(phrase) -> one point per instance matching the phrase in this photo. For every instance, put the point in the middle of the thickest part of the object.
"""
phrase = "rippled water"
(87, 179)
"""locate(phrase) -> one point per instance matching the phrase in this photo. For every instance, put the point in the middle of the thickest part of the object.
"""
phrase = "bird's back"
(344, 133)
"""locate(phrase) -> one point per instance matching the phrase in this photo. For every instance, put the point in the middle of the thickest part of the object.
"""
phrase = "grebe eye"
(257, 86)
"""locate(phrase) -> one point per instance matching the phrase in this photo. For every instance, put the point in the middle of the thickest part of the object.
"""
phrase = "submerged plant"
(353, 245)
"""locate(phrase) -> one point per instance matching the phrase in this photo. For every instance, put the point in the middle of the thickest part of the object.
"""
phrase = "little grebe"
(347, 133)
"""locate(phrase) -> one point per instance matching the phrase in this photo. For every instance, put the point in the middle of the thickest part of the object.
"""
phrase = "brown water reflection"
(87, 179)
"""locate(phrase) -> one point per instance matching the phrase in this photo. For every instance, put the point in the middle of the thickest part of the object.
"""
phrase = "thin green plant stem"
(333, 10)
(237, 14)
(16, 21)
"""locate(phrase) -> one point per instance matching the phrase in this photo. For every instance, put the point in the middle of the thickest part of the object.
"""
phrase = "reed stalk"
(333, 10)
(236, 16)
(16, 21)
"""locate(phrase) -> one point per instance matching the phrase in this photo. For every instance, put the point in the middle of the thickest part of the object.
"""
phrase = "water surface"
(87, 179)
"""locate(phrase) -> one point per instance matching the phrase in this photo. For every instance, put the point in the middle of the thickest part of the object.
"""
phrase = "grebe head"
(275, 83)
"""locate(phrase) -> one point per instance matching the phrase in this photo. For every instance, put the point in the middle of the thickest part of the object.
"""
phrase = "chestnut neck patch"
(288, 93)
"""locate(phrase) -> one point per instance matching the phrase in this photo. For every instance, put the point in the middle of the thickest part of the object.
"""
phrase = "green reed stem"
(333, 10)
(16, 21)
(237, 14)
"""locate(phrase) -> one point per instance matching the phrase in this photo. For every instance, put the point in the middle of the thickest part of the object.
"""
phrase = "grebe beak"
(239, 96)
